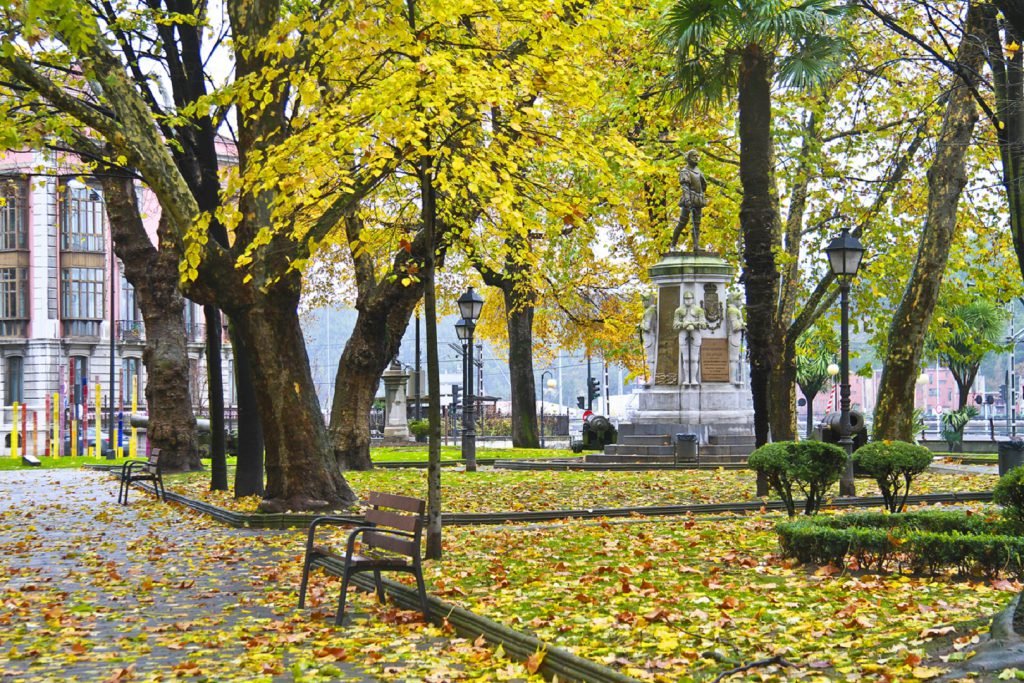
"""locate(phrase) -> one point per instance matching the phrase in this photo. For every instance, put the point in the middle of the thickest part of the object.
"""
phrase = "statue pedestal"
(396, 426)
(699, 370)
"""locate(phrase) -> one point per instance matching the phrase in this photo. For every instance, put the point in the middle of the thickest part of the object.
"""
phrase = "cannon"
(598, 432)
(829, 428)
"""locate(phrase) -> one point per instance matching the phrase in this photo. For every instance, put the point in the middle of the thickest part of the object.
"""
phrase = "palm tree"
(976, 328)
(741, 47)
(811, 376)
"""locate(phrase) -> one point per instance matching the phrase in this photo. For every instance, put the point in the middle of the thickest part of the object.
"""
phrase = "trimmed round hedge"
(1009, 492)
(810, 466)
(893, 465)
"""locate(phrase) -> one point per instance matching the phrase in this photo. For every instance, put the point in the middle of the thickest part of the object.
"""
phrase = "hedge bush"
(810, 466)
(893, 464)
(1009, 492)
(921, 541)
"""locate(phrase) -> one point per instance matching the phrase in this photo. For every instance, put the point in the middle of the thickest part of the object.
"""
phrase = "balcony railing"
(16, 329)
(131, 330)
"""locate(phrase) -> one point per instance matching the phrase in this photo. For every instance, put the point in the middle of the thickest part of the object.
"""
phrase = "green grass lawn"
(9, 463)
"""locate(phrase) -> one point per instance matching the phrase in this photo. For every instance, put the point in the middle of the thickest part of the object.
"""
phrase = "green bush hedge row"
(921, 541)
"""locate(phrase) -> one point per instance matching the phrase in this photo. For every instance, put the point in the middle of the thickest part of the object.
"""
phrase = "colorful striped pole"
(99, 430)
(55, 446)
(14, 429)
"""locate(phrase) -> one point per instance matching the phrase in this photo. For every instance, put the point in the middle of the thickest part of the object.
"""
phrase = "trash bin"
(1011, 454)
(686, 448)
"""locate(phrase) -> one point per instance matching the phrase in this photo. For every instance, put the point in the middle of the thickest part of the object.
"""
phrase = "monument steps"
(639, 449)
(720, 451)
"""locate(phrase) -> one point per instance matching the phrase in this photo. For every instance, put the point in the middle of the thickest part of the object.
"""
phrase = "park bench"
(389, 540)
(142, 470)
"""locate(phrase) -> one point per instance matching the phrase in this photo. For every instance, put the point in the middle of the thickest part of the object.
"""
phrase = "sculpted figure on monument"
(692, 201)
(689, 316)
(649, 330)
(735, 312)
(737, 326)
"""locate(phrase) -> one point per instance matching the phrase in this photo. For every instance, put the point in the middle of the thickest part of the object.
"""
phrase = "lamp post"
(470, 305)
(549, 384)
(844, 255)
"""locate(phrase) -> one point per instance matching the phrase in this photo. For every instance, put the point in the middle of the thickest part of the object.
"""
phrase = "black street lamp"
(844, 255)
(470, 305)
(543, 387)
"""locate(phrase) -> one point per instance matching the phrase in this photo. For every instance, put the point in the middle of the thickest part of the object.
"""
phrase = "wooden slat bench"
(388, 541)
(142, 470)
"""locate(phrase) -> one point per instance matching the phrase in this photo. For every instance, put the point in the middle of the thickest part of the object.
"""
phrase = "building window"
(13, 214)
(83, 219)
(132, 382)
(14, 376)
(130, 321)
(82, 293)
(129, 302)
(13, 293)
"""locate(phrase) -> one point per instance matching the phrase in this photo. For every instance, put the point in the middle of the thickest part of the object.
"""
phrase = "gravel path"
(96, 591)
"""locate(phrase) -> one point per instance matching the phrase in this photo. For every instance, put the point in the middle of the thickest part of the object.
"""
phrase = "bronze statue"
(693, 200)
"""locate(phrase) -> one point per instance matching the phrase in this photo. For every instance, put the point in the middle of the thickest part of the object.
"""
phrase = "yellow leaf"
(534, 661)
(924, 673)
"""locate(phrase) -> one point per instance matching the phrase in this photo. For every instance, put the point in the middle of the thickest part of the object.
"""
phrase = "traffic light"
(456, 402)
(594, 387)
(581, 402)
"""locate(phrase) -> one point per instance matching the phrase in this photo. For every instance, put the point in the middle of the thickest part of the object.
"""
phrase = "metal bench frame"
(389, 541)
(142, 470)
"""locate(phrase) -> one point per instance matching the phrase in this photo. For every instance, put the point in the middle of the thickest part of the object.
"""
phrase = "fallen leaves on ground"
(95, 591)
(491, 490)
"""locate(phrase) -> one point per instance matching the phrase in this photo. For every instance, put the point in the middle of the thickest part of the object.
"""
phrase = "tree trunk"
(1008, 84)
(302, 473)
(946, 179)
(249, 462)
(384, 313)
(782, 406)
(428, 213)
(519, 309)
(215, 392)
(759, 225)
(154, 274)
(520, 371)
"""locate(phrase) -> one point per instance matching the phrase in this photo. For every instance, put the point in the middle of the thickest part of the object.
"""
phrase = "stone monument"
(696, 341)
(396, 424)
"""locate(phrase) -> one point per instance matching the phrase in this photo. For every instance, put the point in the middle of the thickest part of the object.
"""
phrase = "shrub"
(419, 428)
(810, 466)
(922, 541)
(893, 464)
(1009, 493)
(952, 426)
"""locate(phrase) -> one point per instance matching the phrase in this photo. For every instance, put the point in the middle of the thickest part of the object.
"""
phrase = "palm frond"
(815, 63)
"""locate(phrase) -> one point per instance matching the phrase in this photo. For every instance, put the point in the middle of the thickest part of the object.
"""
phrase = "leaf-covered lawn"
(98, 591)
(687, 599)
(418, 453)
(490, 490)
